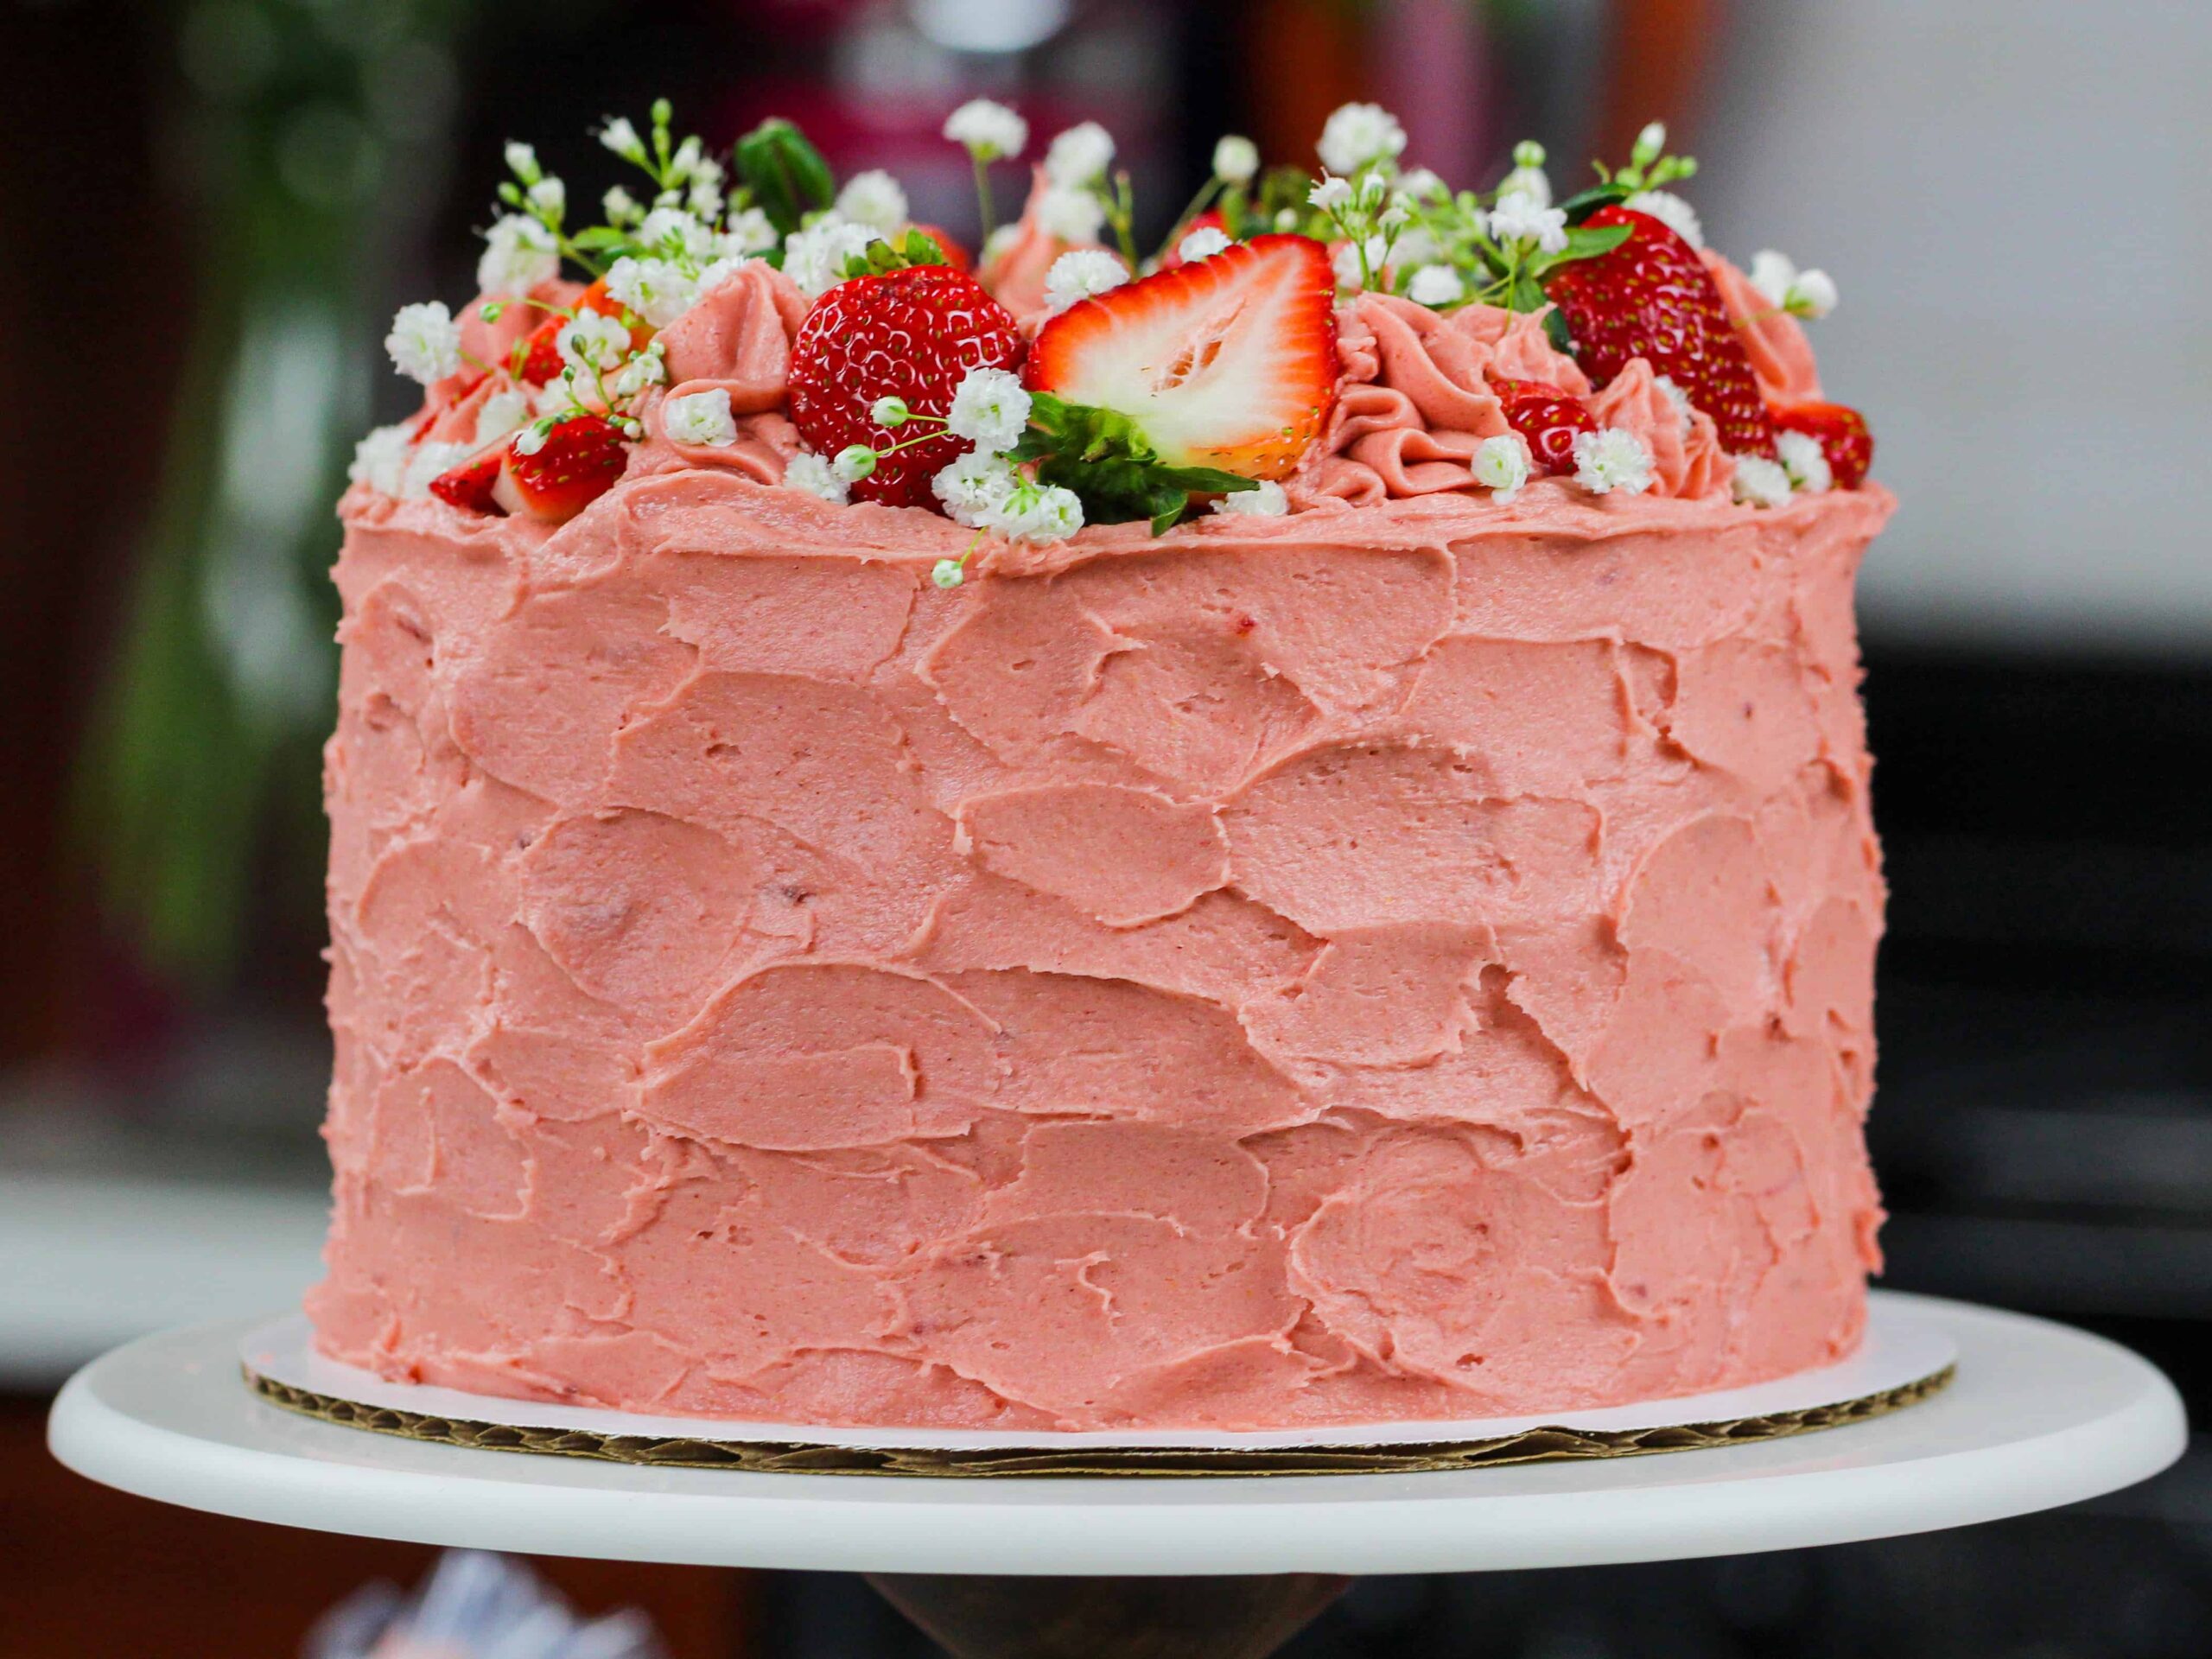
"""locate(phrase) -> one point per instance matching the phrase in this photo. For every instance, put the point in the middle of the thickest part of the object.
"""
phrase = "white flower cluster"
(1267, 501)
(1671, 211)
(1369, 220)
(1800, 293)
(873, 199)
(1517, 217)
(700, 417)
(988, 131)
(1080, 274)
(815, 256)
(424, 342)
(1235, 160)
(1527, 177)
(1201, 244)
(1502, 464)
(519, 254)
(1760, 482)
(1358, 134)
(986, 490)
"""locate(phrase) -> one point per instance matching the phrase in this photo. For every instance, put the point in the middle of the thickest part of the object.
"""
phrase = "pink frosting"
(1781, 356)
(1402, 963)
(1015, 274)
(736, 340)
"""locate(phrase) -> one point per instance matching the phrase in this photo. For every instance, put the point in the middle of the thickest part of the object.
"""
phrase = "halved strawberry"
(1841, 431)
(1652, 297)
(1210, 219)
(578, 462)
(538, 360)
(1231, 362)
(471, 485)
(1548, 417)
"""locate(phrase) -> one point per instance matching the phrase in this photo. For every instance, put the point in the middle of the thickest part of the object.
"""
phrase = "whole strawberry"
(1548, 419)
(911, 333)
(1652, 297)
(1838, 429)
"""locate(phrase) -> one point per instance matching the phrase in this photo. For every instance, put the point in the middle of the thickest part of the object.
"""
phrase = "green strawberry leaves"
(915, 248)
(786, 175)
(1105, 458)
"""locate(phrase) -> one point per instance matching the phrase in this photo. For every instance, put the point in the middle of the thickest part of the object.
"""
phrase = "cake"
(1279, 842)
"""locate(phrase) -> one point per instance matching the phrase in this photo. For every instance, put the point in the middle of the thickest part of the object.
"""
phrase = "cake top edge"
(1304, 341)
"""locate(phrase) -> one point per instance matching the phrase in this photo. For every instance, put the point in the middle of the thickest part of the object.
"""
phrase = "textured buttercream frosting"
(1409, 959)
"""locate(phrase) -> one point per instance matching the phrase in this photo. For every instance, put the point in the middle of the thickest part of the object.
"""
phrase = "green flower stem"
(983, 193)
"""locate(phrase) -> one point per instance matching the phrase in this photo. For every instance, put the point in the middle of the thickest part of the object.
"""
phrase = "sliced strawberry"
(1548, 417)
(1652, 297)
(1209, 220)
(1231, 362)
(538, 361)
(471, 485)
(1841, 431)
(579, 461)
(913, 333)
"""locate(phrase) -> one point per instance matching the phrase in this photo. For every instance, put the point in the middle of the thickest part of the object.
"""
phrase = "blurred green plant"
(311, 134)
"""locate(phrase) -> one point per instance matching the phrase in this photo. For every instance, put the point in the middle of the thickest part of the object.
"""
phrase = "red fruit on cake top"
(1841, 431)
(1228, 362)
(1652, 297)
(578, 462)
(911, 333)
(1548, 417)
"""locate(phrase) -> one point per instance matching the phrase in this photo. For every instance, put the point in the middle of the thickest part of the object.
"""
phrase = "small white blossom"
(1611, 459)
(889, 411)
(656, 290)
(1415, 246)
(522, 161)
(1235, 160)
(1518, 217)
(1649, 141)
(947, 572)
(1046, 514)
(1528, 176)
(1070, 215)
(854, 462)
(646, 368)
(745, 234)
(1286, 219)
(873, 199)
(1436, 285)
(1079, 156)
(591, 340)
(810, 472)
(1203, 244)
(1800, 293)
(1269, 501)
(498, 416)
(550, 198)
(815, 257)
(990, 131)
(424, 342)
(990, 410)
(1372, 187)
(620, 207)
(531, 438)
(1502, 464)
(429, 460)
(1079, 275)
(618, 136)
(380, 459)
(519, 256)
(678, 229)
(975, 487)
(1671, 211)
(1356, 134)
(700, 418)
(1351, 276)
(1760, 482)
(1330, 194)
(1421, 185)
(1805, 461)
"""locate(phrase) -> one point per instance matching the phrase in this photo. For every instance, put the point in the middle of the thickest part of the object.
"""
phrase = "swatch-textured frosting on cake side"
(1409, 962)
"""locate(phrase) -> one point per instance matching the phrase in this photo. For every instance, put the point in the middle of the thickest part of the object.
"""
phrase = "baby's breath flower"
(428, 460)
(1611, 459)
(873, 199)
(1356, 134)
(1527, 177)
(522, 161)
(499, 415)
(988, 131)
(889, 411)
(589, 341)
(1052, 514)
(1760, 482)
(1671, 211)
(620, 207)
(424, 342)
(854, 462)
(1235, 160)
(550, 198)
(646, 368)
(815, 257)
(1800, 293)
(700, 418)
(975, 487)
(810, 472)
(746, 232)
(1269, 501)
(1070, 215)
(1201, 244)
(1356, 262)
(656, 290)
(518, 255)
(620, 137)
(947, 572)
(990, 410)
(1502, 464)
(1078, 157)
(1330, 194)
(1422, 185)
(1079, 275)
(1436, 285)
(678, 229)
(1518, 217)
(380, 459)
(1805, 461)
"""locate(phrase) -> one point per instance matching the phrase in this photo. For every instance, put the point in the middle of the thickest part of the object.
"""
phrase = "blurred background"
(208, 212)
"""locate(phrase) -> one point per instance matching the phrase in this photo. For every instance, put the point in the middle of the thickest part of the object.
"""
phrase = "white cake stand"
(2039, 1415)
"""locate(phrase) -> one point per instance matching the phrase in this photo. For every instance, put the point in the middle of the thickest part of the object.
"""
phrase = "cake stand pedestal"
(2039, 1415)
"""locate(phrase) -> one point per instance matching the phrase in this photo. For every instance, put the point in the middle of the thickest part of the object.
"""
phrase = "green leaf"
(601, 238)
(1580, 206)
(1555, 330)
(785, 172)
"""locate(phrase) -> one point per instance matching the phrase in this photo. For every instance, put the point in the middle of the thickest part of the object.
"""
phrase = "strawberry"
(1228, 363)
(1209, 220)
(539, 362)
(955, 255)
(1652, 297)
(471, 486)
(1841, 432)
(1548, 417)
(578, 462)
(914, 334)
